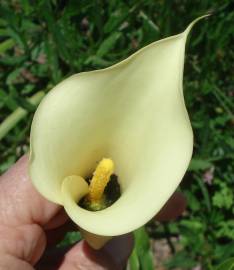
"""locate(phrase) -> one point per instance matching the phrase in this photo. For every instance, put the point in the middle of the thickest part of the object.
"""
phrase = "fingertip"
(113, 255)
(81, 256)
(119, 249)
(174, 207)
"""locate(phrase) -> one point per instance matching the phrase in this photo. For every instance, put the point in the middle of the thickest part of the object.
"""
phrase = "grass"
(43, 43)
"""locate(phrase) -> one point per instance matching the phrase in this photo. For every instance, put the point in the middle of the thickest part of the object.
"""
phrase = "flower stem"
(18, 114)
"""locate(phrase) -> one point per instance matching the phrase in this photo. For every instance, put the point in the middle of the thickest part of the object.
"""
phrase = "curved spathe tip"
(190, 26)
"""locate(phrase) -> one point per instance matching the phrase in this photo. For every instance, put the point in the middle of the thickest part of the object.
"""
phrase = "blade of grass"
(18, 114)
(204, 191)
(222, 103)
(227, 265)
(6, 45)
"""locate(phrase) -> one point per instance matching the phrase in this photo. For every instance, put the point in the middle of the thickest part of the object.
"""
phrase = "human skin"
(31, 226)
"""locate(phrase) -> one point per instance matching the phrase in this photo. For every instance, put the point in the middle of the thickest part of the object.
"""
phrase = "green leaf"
(227, 265)
(115, 20)
(7, 163)
(181, 260)
(108, 44)
(199, 164)
(12, 60)
(142, 255)
(133, 261)
(13, 76)
(25, 104)
(224, 251)
(6, 45)
(223, 198)
(70, 239)
(205, 192)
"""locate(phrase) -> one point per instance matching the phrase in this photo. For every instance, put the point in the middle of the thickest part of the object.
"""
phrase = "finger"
(58, 219)
(12, 263)
(174, 207)
(20, 203)
(25, 243)
(113, 256)
(54, 236)
(119, 249)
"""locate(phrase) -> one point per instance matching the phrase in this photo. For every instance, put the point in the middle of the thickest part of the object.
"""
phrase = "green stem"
(169, 242)
(6, 45)
(18, 114)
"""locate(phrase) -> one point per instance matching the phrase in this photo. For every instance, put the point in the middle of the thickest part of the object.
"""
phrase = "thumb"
(20, 247)
(113, 256)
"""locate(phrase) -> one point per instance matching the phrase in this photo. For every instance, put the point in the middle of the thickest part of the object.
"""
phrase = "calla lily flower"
(132, 113)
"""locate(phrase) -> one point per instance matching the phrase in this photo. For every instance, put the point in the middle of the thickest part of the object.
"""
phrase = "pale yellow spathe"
(133, 113)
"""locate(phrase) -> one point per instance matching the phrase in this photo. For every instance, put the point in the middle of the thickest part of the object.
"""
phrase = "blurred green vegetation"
(42, 42)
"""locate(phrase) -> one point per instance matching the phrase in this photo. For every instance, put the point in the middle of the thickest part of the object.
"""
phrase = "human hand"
(30, 225)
